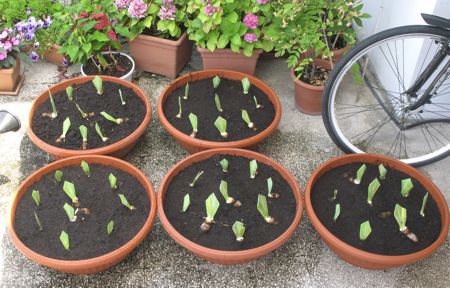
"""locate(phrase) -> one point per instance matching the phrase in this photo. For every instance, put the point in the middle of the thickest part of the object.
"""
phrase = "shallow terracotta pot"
(226, 59)
(161, 56)
(362, 258)
(194, 145)
(308, 98)
(10, 80)
(97, 264)
(127, 77)
(117, 149)
(220, 256)
(52, 56)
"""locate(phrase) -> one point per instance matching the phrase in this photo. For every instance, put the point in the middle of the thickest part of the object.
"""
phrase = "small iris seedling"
(245, 85)
(217, 100)
(99, 132)
(335, 192)
(424, 202)
(186, 92)
(70, 212)
(223, 187)
(239, 230)
(269, 189)
(85, 166)
(64, 237)
(263, 209)
(69, 188)
(111, 118)
(372, 189)
(121, 98)
(38, 221)
(337, 212)
(400, 214)
(69, 91)
(364, 230)
(224, 164)
(216, 82)
(258, 106)
(55, 112)
(221, 125)
(83, 114)
(193, 120)
(110, 227)
(186, 202)
(98, 83)
(212, 204)
(36, 197)
(66, 126)
(382, 171)
(126, 203)
(192, 184)
(253, 169)
(359, 174)
(180, 110)
(58, 175)
(247, 120)
(84, 131)
(407, 185)
(112, 181)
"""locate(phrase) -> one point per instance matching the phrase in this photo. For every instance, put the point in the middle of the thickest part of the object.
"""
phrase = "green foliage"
(224, 164)
(360, 173)
(125, 202)
(98, 84)
(38, 221)
(247, 120)
(69, 92)
(382, 171)
(212, 205)
(112, 181)
(335, 192)
(70, 212)
(400, 215)
(193, 119)
(83, 131)
(364, 230)
(407, 185)
(217, 100)
(55, 112)
(121, 97)
(110, 227)
(111, 118)
(216, 82)
(253, 168)
(263, 208)
(69, 188)
(15, 11)
(245, 85)
(186, 202)
(424, 202)
(337, 212)
(372, 189)
(83, 114)
(239, 230)
(186, 92)
(180, 109)
(99, 132)
(36, 197)
(64, 238)
(192, 184)
(85, 166)
(66, 126)
(221, 125)
(58, 175)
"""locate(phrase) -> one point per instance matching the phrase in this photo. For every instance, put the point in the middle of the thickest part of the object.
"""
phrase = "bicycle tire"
(362, 109)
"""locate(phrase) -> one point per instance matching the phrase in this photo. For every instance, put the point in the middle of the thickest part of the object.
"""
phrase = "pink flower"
(167, 12)
(167, 1)
(7, 46)
(250, 37)
(251, 21)
(3, 55)
(210, 10)
(122, 4)
(262, 1)
(137, 9)
(15, 41)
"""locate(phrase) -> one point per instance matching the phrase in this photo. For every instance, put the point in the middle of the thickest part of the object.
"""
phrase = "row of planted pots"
(201, 170)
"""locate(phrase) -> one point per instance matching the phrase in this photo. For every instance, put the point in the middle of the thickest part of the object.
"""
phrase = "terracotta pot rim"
(164, 40)
(256, 52)
(355, 252)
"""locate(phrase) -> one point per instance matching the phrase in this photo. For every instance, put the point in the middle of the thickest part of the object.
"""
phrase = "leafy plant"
(186, 202)
(245, 85)
(239, 230)
(193, 119)
(424, 202)
(85, 166)
(364, 230)
(180, 109)
(223, 187)
(382, 171)
(192, 184)
(221, 125)
(36, 197)
(112, 181)
(121, 98)
(335, 192)
(247, 120)
(69, 188)
(83, 114)
(216, 82)
(263, 209)
(58, 175)
(400, 215)
(66, 126)
(337, 212)
(253, 169)
(269, 189)
(372, 189)
(111, 118)
(98, 84)
(70, 212)
(84, 132)
(407, 185)
(212, 205)
(69, 91)
(359, 174)
(217, 101)
(224, 164)
(55, 112)
(257, 105)
(186, 92)
(110, 227)
(38, 221)
(99, 132)
(125, 202)
(64, 238)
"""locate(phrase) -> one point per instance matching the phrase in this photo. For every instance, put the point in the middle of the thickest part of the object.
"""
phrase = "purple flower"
(15, 41)
(36, 45)
(167, 12)
(262, 1)
(34, 56)
(65, 63)
(137, 9)
(210, 10)
(29, 11)
(251, 21)
(122, 4)
(3, 55)
(167, 1)
(3, 35)
(7, 46)
(29, 36)
(250, 37)
(47, 21)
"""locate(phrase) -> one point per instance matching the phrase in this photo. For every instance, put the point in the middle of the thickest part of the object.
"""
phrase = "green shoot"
(121, 100)
(186, 92)
(364, 230)
(126, 203)
(372, 189)
(85, 167)
(217, 100)
(99, 132)
(180, 110)
(64, 237)
(110, 227)
(70, 212)
(337, 212)
(224, 164)
(407, 185)
(253, 169)
(223, 187)
(269, 189)
(247, 120)
(58, 175)
(263, 209)
(55, 112)
(192, 184)
(69, 188)
(245, 85)
(359, 174)
(98, 83)
(83, 114)
(400, 216)
(193, 120)
(221, 125)
(111, 118)
(216, 82)
(186, 202)
(258, 106)
(382, 171)
(36, 197)
(83, 131)
(239, 230)
(112, 181)
(212, 204)
(69, 91)
(424, 202)
(335, 192)
(66, 126)
(38, 221)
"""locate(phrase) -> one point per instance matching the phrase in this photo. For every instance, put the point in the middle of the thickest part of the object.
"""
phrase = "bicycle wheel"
(363, 107)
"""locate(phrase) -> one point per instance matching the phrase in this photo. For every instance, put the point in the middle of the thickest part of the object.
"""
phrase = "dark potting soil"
(385, 239)
(124, 65)
(240, 187)
(85, 95)
(201, 103)
(88, 234)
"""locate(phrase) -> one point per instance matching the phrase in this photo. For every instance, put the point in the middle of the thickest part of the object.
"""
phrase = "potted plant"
(230, 35)
(271, 201)
(395, 215)
(88, 37)
(84, 236)
(157, 36)
(210, 109)
(73, 118)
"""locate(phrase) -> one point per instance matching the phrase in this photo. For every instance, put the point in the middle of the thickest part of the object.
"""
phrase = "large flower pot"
(218, 256)
(226, 59)
(308, 98)
(161, 56)
(10, 80)
(356, 256)
(117, 149)
(129, 75)
(193, 145)
(96, 264)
